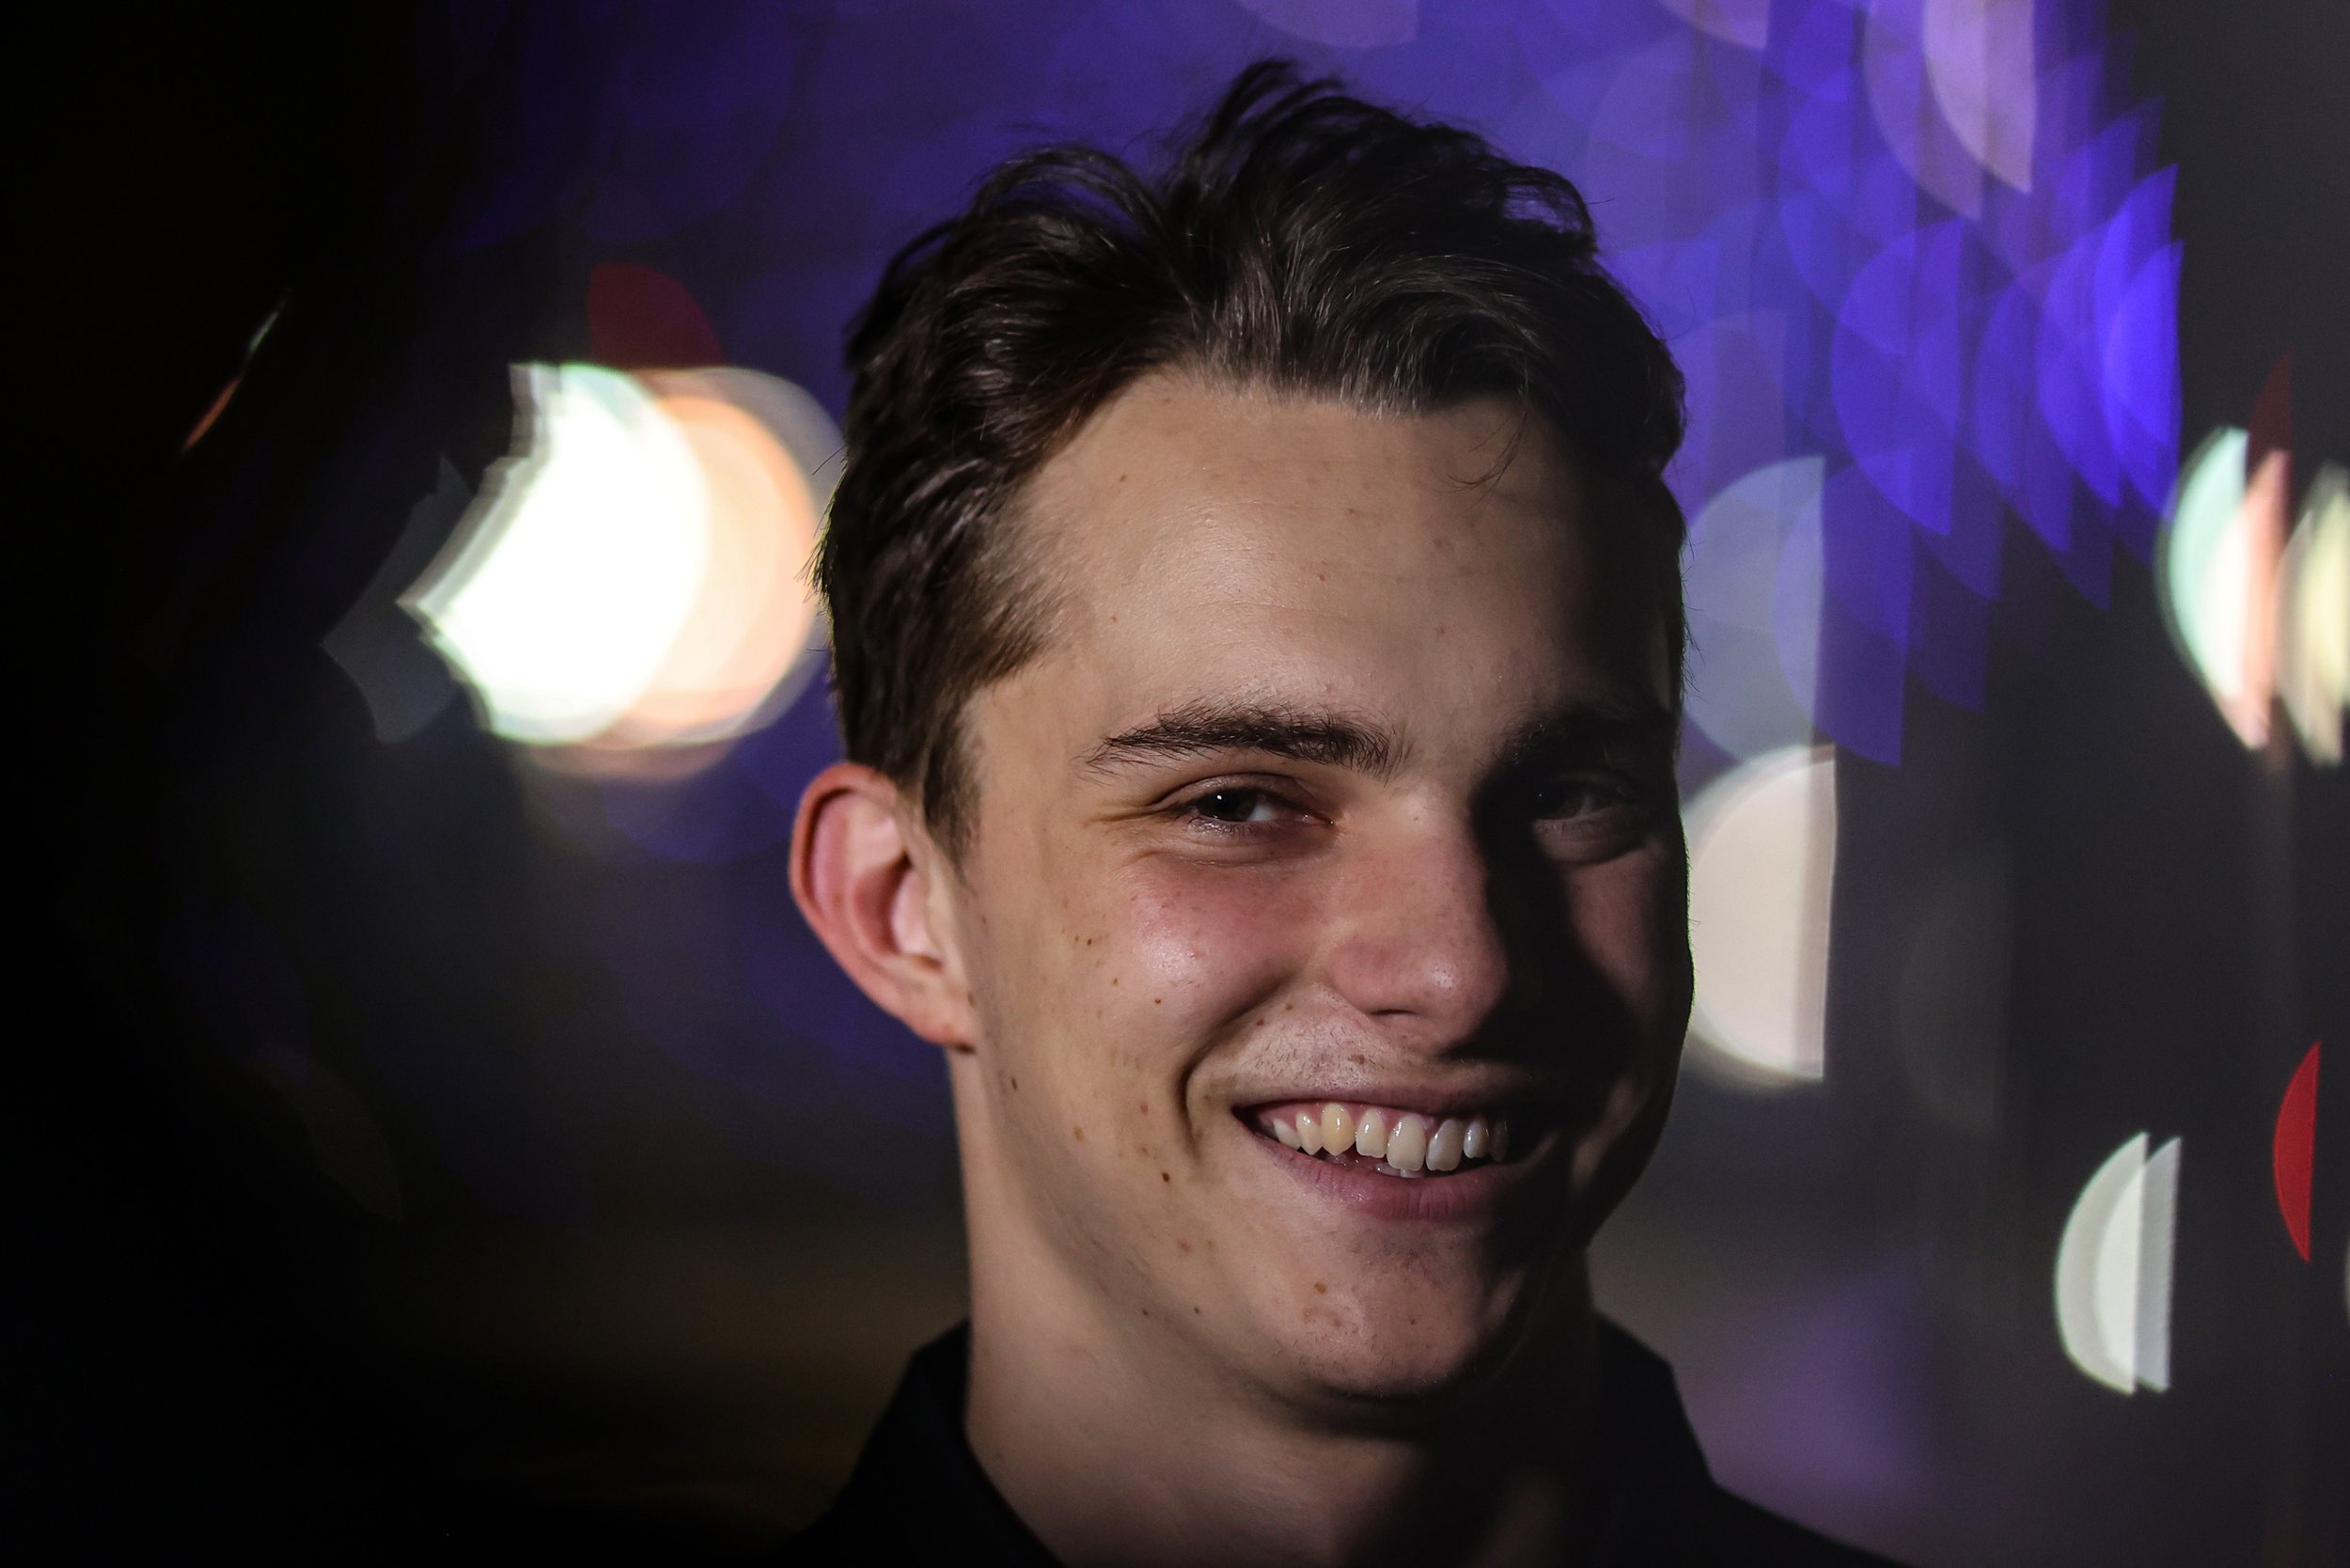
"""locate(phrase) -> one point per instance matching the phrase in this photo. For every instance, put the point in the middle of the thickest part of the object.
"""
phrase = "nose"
(1420, 940)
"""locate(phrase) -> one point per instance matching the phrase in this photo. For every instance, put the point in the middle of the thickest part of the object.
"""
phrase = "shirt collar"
(917, 1485)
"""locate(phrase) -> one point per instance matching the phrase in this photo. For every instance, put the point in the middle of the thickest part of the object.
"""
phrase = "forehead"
(1436, 570)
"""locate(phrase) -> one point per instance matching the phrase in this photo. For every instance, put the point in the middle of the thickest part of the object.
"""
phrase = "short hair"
(1300, 240)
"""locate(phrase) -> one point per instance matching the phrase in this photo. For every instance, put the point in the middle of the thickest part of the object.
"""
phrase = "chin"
(1395, 1355)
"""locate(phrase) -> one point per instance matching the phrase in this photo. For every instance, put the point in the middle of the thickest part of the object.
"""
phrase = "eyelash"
(1610, 794)
(1190, 809)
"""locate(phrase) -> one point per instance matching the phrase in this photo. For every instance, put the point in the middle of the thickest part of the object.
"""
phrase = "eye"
(1244, 819)
(1580, 795)
(1238, 806)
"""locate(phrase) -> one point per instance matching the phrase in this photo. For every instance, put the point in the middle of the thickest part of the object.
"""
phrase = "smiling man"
(1258, 643)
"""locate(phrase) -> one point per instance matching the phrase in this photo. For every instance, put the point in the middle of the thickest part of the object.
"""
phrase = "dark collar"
(918, 1487)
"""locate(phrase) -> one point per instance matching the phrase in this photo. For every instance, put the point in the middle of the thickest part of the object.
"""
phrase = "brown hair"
(1300, 240)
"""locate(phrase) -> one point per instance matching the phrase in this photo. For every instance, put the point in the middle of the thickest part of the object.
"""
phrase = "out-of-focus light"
(227, 392)
(2314, 617)
(2258, 616)
(640, 318)
(2217, 575)
(2292, 1151)
(1761, 861)
(375, 644)
(1753, 584)
(1745, 23)
(1342, 24)
(2113, 1269)
(750, 622)
(633, 579)
(1900, 71)
(1978, 60)
(563, 593)
(212, 411)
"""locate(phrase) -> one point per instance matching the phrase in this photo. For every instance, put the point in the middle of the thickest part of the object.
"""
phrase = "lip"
(1434, 1105)
(1471, 1195)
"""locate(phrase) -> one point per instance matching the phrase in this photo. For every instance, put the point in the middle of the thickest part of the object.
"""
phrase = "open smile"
(1391, 1165)
(1383, 1138)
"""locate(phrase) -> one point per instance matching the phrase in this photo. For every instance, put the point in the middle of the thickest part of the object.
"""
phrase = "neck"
(1125, 1447)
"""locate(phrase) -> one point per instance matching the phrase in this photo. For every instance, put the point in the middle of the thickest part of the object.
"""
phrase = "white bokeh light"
(2218, 576)
(561, 598)
(2314, 617)
(2113, 1269)
(634, 582)
(1978, 58)
(749, 626)
(1753, 583)
(1761, 865)
(2258, 615)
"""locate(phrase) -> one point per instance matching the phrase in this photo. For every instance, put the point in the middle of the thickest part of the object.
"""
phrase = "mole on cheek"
(1077, 1132)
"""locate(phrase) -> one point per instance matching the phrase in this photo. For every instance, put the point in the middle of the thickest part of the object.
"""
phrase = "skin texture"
(1346, 773)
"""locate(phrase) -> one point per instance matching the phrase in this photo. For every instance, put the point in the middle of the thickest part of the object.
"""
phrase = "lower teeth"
(1349, 1156)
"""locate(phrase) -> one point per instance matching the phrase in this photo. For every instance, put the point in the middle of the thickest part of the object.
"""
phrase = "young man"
(1258, 640)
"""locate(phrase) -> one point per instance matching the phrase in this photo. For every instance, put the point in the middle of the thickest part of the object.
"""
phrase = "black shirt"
(918, 1487)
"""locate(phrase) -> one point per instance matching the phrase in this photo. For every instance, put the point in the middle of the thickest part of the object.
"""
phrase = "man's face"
(1345, 778)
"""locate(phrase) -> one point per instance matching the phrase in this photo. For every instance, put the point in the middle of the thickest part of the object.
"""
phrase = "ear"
(868, 878)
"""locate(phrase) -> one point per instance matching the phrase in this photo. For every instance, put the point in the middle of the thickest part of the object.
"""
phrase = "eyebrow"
(1359, 745)
(1605, 724)
(1332, 739)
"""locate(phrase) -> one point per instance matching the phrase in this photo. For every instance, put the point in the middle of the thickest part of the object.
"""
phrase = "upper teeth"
(1403, 1142)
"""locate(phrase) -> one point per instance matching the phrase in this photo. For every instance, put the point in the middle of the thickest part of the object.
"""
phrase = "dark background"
(576, 1285)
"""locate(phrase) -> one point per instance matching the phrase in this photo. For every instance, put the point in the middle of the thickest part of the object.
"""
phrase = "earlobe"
(863, 879)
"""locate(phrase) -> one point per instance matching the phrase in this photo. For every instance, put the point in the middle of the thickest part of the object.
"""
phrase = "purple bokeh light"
(1922, 253)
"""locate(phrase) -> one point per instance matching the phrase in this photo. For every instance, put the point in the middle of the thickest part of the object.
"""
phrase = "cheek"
(1100, 1017)
(1145, 968)
(1632, 922)
(1191, 954)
